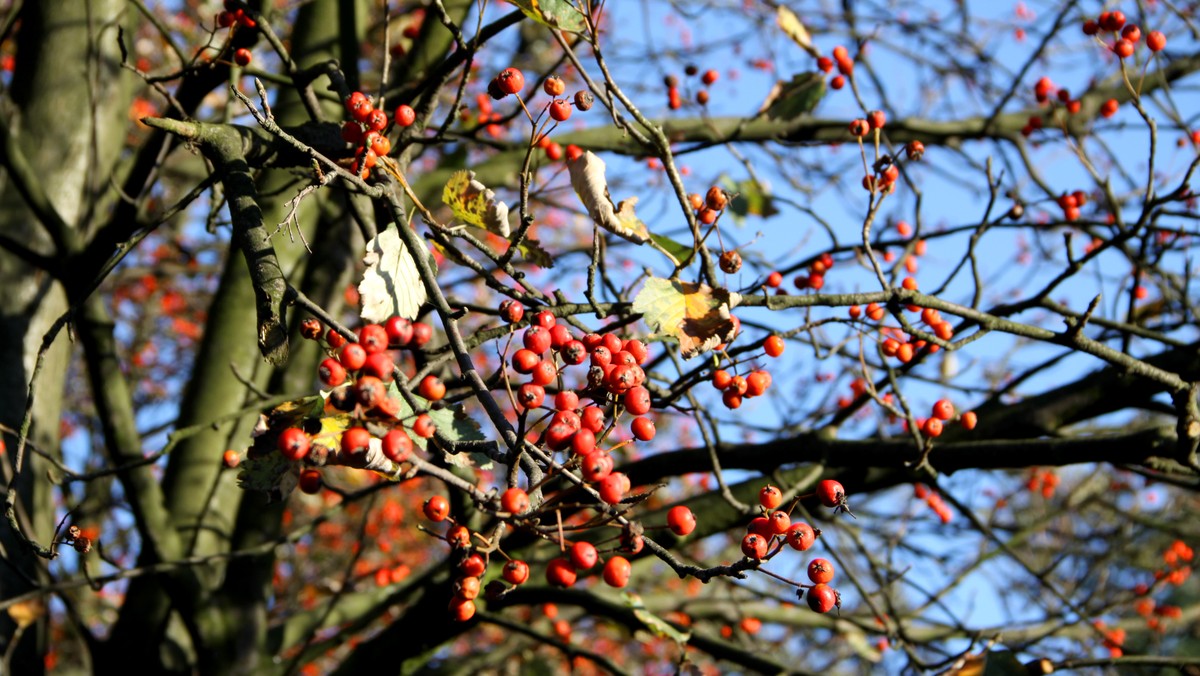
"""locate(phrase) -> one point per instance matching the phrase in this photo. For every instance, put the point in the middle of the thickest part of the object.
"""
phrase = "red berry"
(310, 481)
(831, 493)
(969, 420)
(356, 441)
(510, 80)
(770, 497)
(642, 428)
(544, 373)
(773, 346)
(637, 400)
(715, 198)
(515, 501)
(377, 121)
(681, 520)
(459, 537)
(837, 82)
(560, 110)
(1109, 108)
(613, 487)
(230, 458)
(800, 536)
(1090, 27)
(593, 419)
(780, 522)
(436, 508)
(616, 571)
(432, 388)
(331, 372)
(399, 331)
(405, 116)
(574, 152)
(424, 426)
(516, 571)
(537, 339)
(943, 409)
(554, 86)
(822, 598)
(560, 573)
(754, 546)
(461, 610)
(1132, 33)
(512, 311)
(596, 466)
(293, 443)
(242, 57)
(710, 76)
(583, 442)
(1156, 41)
(353, 356)
(397, 445)
(422, 333)
(530, 395)
(761, 525)
(1123, 48)
(876, 119)
(584, 555)
(820, 571)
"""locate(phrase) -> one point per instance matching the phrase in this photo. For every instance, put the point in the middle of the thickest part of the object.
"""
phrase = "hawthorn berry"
(424, 426)
(969, 420)
(831, 493)
(642, 428)
(757, 383)
(560, 573)
(592, 419)
(405, 116)
(531, 395)
(731, 399)
(242, 57)
(820, 571)
(761, 525)
(770, 497)
(574, 152)
(616, 571)
(1156, 41)
(754, 546)
(773, 346)
(596, 466)
(422, 334)
(943, 409)
(310, 481)
(1109, 108)
(369, 391)
(436, 508)
(583, 555)
(914, 150)
(537, 339)
(709, 77)
(560, 110)
(584, 100)
(780, 522)
(397, 445)
(612, 488)
(800, 536)
(356, 441)
(681, 520)
(353, 356)
(510, 81)
(515, 571)
(230, 458)
(1123, 48)
(432, 388)
(399, 331)
(293, 443)
(515, 501)
(331, 372)
(461, 610)
(715, 198)
(554, 86)
(822, 598)
(466, 587)
(459, 537)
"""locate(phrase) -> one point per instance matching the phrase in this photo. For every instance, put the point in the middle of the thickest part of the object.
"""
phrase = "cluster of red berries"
(614, 377)
(1129, 36)
(512, 81)
(845, 65)
(815, 279)
(366, 131)
(734, 388)
(708, 207)
(234, 15)
(767, 534)
(359, 374)
(935, 502)
(1071, 202)
(675, 99)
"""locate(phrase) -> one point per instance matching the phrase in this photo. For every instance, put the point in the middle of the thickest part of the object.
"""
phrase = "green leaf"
(452, 423)
(678, 251)
(475, 204)
(750, 199)
(694, 314)
(794, 99)
(658, 626)
(270, 473)
(558, 14)
(532, 251)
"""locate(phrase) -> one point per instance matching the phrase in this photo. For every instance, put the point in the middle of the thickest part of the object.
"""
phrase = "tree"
(918, 327)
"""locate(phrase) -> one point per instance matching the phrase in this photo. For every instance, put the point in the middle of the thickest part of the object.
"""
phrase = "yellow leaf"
(791, 25)
(475, 204)
(694, 314)
(25, 613)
